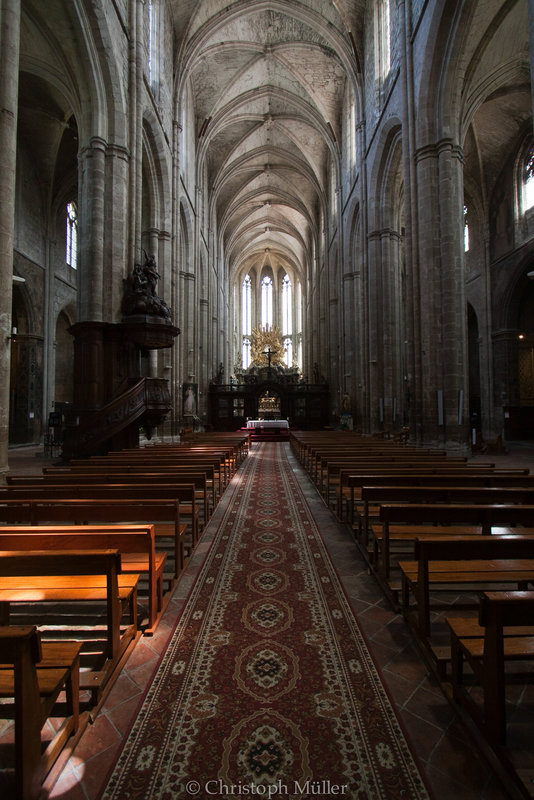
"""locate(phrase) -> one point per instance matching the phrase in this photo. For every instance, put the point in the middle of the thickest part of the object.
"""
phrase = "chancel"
(253, 256)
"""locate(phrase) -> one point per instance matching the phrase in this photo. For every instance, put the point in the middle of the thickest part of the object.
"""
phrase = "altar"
(268, 423)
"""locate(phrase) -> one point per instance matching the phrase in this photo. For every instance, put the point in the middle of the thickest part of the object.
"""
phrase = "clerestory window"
(71, 249)
(466, 230)
(153, 43)
(528, 180)
(383, 40)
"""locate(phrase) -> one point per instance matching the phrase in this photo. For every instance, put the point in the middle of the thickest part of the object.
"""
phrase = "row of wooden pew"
(90, 553)
(451, 543)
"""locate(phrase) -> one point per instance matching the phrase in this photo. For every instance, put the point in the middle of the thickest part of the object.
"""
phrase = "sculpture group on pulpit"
(142, 297)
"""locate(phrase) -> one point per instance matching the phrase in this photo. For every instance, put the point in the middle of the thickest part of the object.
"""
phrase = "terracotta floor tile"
(97, 738)
(124, 689)
(423, 735)
(431, 707)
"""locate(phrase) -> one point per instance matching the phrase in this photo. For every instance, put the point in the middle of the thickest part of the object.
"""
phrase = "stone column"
(442, 309)
(136, 58)
(372, 289)
(392, 329)
(412, 332)
(453, 298)
(175, 296)
(9, 81)
(92, 213)
(116, 251)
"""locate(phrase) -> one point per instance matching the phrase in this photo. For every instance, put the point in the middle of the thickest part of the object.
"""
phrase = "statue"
(142, 298)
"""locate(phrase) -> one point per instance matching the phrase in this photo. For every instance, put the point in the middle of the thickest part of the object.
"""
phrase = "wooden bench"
(232, 451)
(74, 577)
(223, 458)
(239, 442)
(330, 465)
(303, 442)
(372, 497)
(466, 563)
(320, 461)
(184, 494)
(408, 522)
(135, 543)
(350, 484)
(32, 676)
(205, 476)
(164, 514)
(504, 633)
(132, 480)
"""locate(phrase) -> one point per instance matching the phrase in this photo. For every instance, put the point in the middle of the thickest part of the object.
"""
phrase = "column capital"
(436, 149)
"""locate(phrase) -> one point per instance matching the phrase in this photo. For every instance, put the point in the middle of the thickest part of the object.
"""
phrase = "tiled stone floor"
(454, 766)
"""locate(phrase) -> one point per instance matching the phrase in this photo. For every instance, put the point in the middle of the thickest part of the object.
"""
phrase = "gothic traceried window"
(246, 319)
(382, 40)
(287, 306)
(528, 180)
(153, 43)
(352, 135)
(245, 353)
(288, 349)
(466, 230)
(71, 248)
(287, 319)
(299, 325)
(266, 301)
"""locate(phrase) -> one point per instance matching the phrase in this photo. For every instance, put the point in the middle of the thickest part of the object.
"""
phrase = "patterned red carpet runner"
(267, 688)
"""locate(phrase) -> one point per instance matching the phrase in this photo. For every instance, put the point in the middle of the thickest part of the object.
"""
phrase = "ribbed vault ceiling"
(268, 81)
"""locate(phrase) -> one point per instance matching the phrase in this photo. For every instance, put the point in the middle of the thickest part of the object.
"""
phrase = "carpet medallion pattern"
(267, 687)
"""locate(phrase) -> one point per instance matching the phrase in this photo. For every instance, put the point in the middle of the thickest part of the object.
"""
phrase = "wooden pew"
(133, 480)
(210, 483)
(227, 455)
(237, 441)
(317, 450)
(373, 496)
(164, 514)
(215, 468)
(32, 676)
(331, 465)
(505, 633)
(302, 441)
(184, 494)
(465, 562)
(71, 577)
(365, 457)
(350, 485)
(408, 522)
(135, 543)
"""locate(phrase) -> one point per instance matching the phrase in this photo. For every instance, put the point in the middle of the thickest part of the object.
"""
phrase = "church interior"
(299, 233)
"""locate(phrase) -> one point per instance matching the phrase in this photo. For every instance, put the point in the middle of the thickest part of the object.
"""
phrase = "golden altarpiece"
(268, 390)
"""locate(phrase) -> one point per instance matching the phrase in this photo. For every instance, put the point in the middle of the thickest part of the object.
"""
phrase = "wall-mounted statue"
(141, 296)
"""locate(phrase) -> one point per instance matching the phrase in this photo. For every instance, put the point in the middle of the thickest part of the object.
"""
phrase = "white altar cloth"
(267, 423)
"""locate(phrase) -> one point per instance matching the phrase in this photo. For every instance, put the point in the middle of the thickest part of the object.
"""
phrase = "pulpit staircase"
(116, 424)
